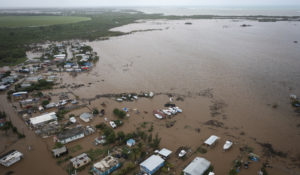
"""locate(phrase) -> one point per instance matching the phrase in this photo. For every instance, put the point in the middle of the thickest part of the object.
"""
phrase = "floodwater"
(225, 10)
(247, 69)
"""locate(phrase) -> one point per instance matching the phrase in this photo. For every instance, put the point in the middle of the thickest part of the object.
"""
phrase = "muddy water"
(37, 158)
(248, 68)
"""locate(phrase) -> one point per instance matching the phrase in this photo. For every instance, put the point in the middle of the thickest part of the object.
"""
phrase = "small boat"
(227, 145)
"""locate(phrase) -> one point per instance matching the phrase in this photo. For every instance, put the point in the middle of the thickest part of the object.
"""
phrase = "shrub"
(45, 102)
(119, 113)
(95, 111)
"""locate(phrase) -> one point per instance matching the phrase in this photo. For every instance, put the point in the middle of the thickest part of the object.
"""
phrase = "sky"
(101, 3)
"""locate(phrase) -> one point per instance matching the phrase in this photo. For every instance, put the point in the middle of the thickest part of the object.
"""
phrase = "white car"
(182, 153)
(112, 124)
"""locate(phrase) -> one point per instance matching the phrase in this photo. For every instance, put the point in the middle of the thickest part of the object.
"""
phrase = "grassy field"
(29, 21)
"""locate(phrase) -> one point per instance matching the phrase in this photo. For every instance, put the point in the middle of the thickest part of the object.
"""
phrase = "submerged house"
(20, 95)
(106, 166)
(211, 140)
(86, 117)
(10, 158)
(80, 160)
(28, 103)
(43, 119)
(165, 153)
(152, 164)
(70, 135)
(60, 151)
(197, 167)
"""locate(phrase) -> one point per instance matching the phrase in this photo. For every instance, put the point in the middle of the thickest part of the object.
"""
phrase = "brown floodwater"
(248, 69)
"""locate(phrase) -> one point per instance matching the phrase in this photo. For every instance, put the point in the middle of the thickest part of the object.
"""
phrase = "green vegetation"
(61, 114)
(155, 143)
(201, 150)
(45, 102)
(127, 169)
(36, 21)
(95, 111)
(94, 153)
(210, 169)
(108, 132)
(119, 113)
(58, 145)
(75, 148)
(232, 172)
(8, 125)
(40, 85)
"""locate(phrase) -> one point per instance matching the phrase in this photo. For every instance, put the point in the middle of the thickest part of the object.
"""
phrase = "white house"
(80, 160)
(70, 135)
(197, 167)
(10, 158)
(152, 164)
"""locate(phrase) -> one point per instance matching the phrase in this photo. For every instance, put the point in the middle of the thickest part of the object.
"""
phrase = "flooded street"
(244, 71)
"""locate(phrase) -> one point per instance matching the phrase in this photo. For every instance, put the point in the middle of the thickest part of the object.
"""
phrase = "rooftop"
(197, 167)
(165, 152)
(43, 118)
(69, 133)
(106, 163)
(152, 162)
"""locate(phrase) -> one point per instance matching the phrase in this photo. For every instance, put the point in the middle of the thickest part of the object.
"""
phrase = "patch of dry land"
(230, 81)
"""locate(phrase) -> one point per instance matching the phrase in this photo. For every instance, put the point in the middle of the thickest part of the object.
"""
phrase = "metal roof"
(152, 162)
(43, 118)
(197, 167)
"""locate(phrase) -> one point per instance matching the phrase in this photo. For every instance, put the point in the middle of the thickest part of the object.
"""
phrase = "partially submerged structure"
(165, 153)
(152, 164)
(86, 117)
(43, 119)
(70, 135)
(211, 140)
(80, 160)
(106, 166)
(197, 167)
(60, 151)
(10, 158)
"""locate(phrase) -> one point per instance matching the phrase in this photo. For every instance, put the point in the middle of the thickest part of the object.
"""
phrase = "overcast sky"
(99, 3)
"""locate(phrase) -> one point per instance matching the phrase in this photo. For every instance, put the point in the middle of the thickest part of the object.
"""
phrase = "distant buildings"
(106, 166)
(70, 135)
(152, 164)
(10, 158)
(80, 160)
(197, 167)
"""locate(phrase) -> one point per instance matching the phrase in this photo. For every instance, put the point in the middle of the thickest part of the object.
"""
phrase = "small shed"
(60, 151)
(165, 152)
(211, 140)
(86, 117)
(130, 142)
(152, 164)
